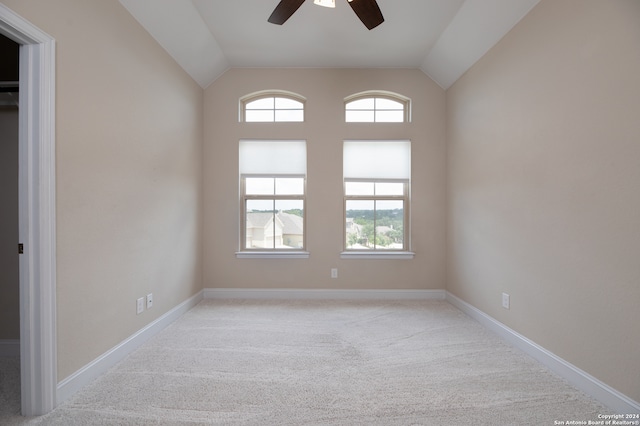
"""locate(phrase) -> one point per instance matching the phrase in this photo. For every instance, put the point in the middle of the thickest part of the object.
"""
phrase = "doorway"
(9, 261)
(36, 212)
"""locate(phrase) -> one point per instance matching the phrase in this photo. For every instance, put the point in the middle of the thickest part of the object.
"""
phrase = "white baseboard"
(321, 294)
(100, 365)
(9, 348)
(616, 401)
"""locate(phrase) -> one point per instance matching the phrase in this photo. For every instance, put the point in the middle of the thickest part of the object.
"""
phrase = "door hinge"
(20, 248)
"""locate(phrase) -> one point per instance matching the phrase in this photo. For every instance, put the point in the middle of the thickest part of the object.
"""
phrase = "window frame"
(377, 94)
(244, 101)
(406, 231)
(369, 161)
(245, 251)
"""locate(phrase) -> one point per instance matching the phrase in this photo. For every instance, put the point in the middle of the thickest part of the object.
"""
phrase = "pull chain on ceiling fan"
(367, 10)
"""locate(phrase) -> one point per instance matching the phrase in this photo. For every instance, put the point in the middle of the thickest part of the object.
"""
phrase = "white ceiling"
(443, 38)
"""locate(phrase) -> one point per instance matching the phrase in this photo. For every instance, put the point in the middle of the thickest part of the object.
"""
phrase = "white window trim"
(380, 94)
(269, 94)
(272, 254)
(379, 254)
(249, 253)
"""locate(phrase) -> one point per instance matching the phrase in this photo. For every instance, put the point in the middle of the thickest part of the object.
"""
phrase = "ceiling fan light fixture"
(367, 11)
(325, 3)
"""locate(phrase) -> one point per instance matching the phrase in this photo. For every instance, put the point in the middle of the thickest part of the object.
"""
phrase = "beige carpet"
(9, 387)
(325, 363)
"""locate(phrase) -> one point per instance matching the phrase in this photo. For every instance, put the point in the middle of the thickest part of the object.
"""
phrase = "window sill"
(377, 255)
(272, 255)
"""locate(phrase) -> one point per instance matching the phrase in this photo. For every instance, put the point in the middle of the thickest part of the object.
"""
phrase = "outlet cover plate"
(505, 301)
(140, 306)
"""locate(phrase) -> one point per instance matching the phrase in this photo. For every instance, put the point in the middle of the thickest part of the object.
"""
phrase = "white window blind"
(273, 157)
(377, 159)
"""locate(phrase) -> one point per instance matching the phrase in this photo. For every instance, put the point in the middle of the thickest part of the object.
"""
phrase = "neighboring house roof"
(293, 224)
(259, 220)
(383, 229)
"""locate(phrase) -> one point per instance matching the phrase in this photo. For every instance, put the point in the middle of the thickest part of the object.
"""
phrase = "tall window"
(377, 178)
(272, 107)
(377, 107)
(273, 194)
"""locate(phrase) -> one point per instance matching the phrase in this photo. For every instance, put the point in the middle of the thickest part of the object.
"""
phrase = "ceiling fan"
(367, 10)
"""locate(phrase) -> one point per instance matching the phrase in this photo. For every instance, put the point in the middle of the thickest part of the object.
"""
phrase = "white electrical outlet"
(149, 300)
(505, 301)
(334, 272)
(140, 306)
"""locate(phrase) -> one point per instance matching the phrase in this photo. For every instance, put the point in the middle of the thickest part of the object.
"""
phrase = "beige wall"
(128, 174)
(541, 190)
(324, 130)
(544, 182)
(9, 276)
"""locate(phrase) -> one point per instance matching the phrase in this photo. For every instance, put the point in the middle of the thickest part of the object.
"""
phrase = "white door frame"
(37, 203)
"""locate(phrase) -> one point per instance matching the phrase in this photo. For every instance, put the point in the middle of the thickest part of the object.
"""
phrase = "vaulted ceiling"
(443, 38)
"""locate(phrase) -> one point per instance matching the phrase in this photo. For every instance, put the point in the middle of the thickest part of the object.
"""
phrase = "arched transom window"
(272, 107)
(377, 107)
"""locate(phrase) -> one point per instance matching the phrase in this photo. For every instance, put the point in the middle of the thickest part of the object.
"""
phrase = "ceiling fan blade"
(368, 12)
(284, 10)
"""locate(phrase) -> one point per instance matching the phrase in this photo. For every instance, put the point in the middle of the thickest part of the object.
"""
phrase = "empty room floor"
(249, 362)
